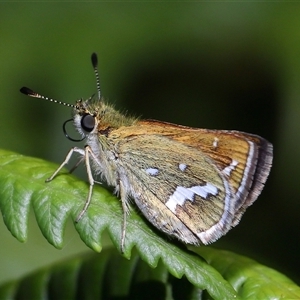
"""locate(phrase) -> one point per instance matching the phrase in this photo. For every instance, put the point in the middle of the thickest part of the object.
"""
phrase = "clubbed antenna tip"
(31, 93)
(27, 91)
(94, 60)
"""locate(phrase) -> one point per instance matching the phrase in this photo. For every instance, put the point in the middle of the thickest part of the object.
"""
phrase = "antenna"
(95, 66)
(33, 94)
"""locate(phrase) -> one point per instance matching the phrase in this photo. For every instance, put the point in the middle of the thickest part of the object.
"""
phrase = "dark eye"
(87, 122)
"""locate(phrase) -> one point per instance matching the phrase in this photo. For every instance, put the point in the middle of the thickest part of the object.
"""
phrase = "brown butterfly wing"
(245, 159)
(177, 187)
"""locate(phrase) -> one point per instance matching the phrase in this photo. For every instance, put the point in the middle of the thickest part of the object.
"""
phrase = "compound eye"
(87, 122)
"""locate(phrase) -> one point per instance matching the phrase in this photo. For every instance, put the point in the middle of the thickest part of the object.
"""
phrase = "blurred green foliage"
(211, 65)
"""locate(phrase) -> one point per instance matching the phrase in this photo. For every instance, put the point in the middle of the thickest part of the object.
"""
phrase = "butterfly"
(193, 184)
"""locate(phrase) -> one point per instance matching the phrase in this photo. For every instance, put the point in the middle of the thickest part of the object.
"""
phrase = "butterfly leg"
(87, 152)
(66, 160)
(80, 160)
(123, 196)
(85, 156)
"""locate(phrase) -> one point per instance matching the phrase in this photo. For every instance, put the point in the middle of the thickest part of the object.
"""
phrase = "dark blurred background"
(208, 65)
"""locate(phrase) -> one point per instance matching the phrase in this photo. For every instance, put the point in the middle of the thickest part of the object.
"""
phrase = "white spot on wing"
(215, 142)
(182, 167)
(182, 194)
(230, 168)
(152, 171)
(204, 190)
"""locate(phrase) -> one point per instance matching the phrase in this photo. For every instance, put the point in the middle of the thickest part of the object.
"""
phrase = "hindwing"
(192, 183)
